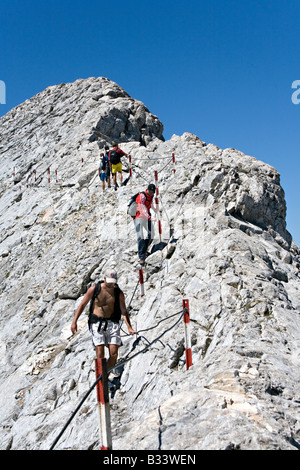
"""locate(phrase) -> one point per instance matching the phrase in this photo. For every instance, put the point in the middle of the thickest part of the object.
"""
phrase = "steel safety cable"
(147, 181)
(153, 159)
(155, 326)
(161, 169)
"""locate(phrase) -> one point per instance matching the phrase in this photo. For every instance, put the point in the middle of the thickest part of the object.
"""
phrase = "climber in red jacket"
(143, 221)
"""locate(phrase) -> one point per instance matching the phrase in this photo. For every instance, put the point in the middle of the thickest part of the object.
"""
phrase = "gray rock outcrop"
(226, 250)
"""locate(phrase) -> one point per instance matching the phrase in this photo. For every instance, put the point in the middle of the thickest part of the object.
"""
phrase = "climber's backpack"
(132, 206)
(114, 157)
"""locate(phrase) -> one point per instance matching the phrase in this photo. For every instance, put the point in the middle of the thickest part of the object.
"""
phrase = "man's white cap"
(111, 276)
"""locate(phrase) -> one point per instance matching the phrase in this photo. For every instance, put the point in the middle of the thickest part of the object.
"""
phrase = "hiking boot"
(142, 262)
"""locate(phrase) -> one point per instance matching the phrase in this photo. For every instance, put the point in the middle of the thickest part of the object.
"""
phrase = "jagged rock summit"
(226, 250)
(64, 119)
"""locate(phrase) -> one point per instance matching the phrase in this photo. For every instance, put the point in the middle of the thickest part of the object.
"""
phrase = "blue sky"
(222, 70)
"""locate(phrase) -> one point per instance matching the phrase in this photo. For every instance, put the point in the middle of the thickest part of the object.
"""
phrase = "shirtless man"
(107, 309)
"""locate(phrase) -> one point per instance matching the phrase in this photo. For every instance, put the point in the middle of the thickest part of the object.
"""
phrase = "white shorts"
(108, 333)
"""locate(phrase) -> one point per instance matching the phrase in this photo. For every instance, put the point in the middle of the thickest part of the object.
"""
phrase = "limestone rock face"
(225, 249)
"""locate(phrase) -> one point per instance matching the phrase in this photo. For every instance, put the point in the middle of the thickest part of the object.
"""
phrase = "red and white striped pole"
(157, 205)
(130, 169)
(187, 334)
(158, 218)
(103, 404)
(141, 279)
(156, 182)
(173, 157)
(49, 175)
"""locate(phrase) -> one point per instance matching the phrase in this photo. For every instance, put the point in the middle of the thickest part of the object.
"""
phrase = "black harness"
(102, 321)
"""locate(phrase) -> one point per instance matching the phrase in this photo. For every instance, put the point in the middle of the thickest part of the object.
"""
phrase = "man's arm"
(86, 299)
(122, 153)
(124, 311)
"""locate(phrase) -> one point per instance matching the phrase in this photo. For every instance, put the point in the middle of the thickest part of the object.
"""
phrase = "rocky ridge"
(227, 251)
